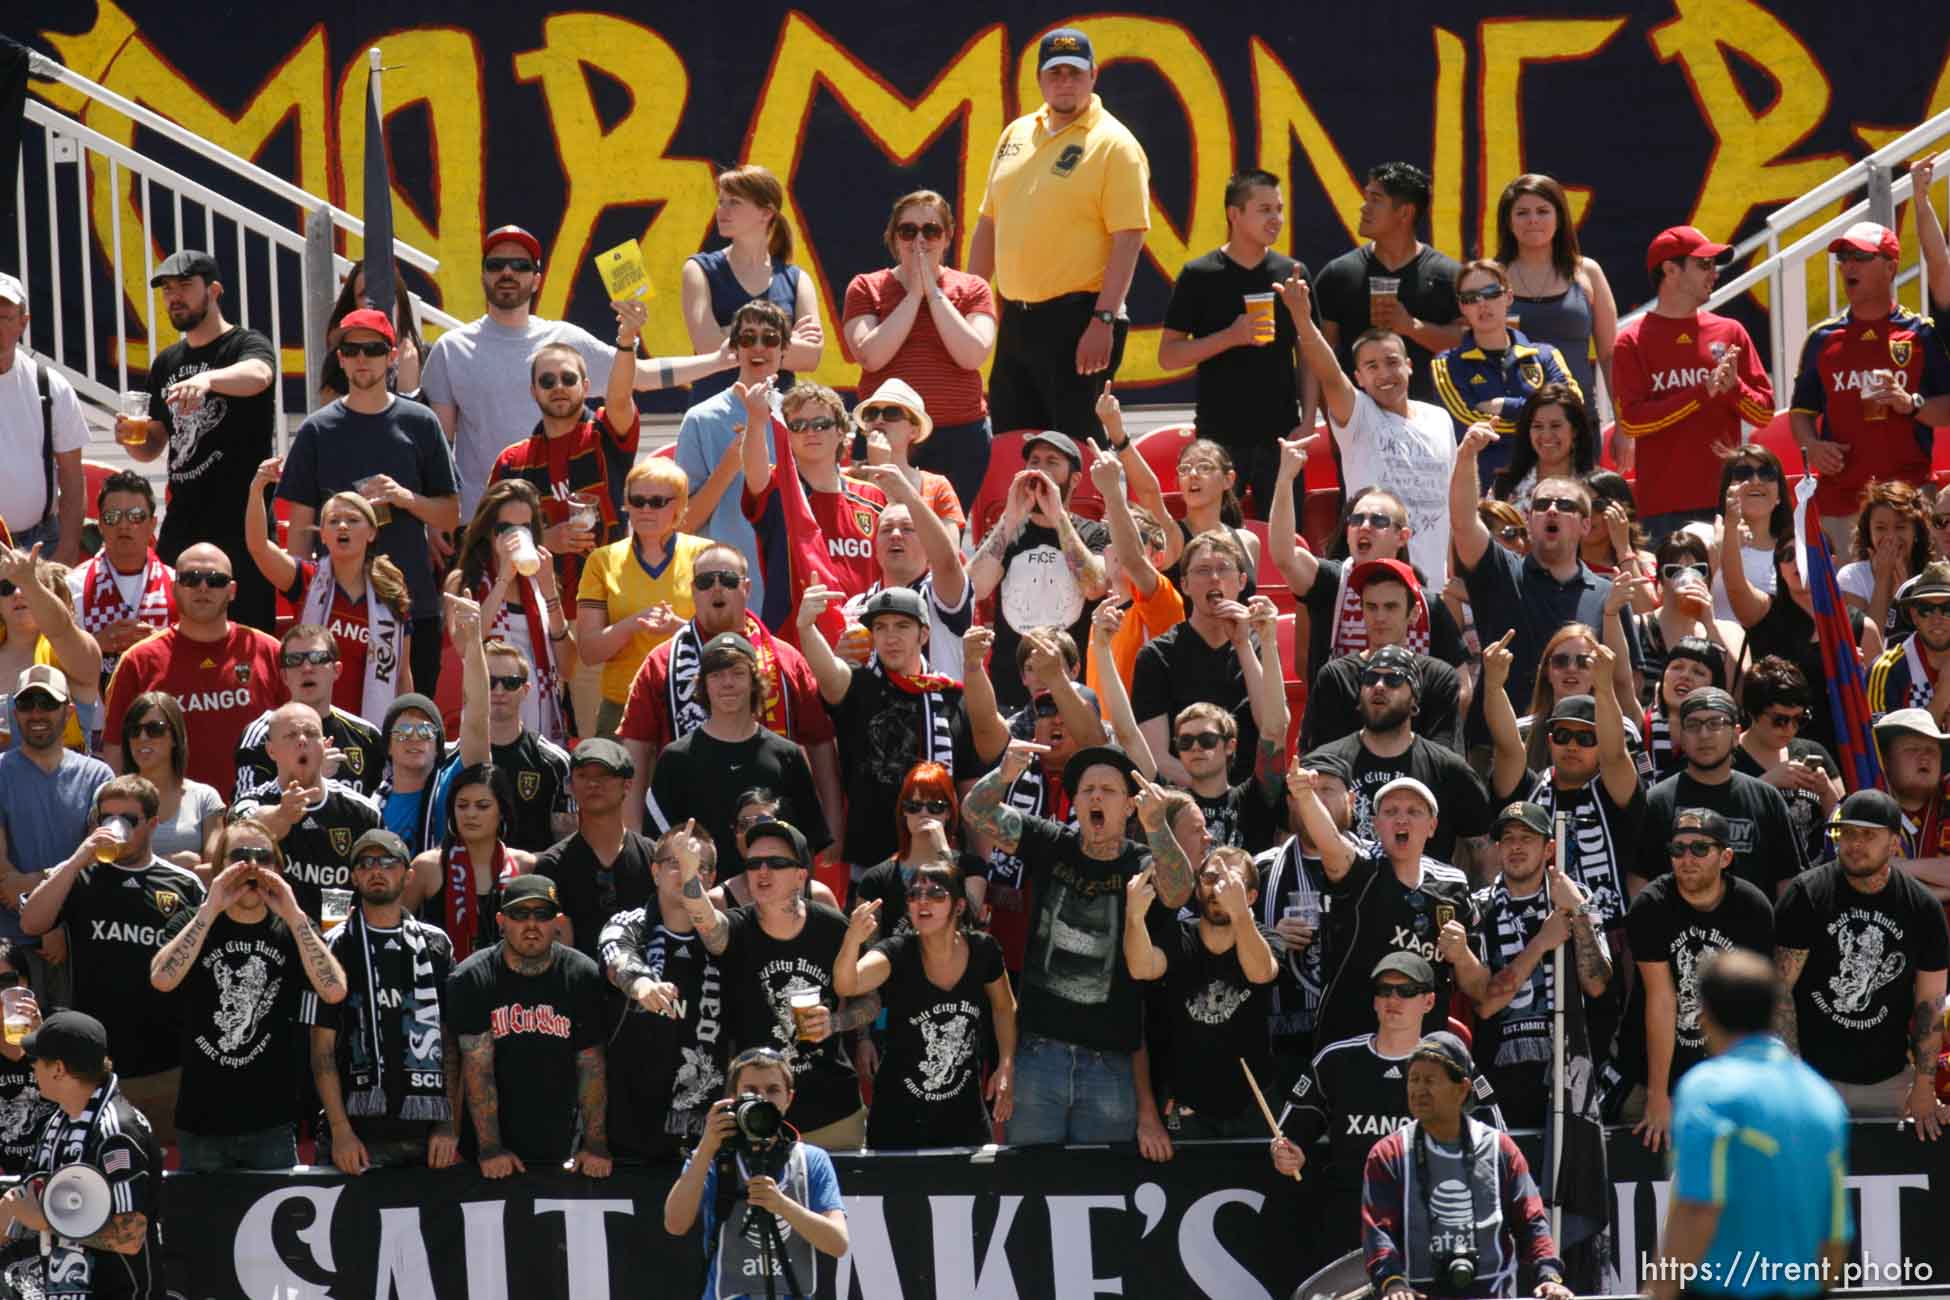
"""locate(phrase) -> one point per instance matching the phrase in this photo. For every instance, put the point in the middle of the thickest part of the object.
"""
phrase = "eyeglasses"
(887, 413)
(1200, 740)
(377, 862)
(214, 579)
(929, 892)
(1855, 255)
(1563, 505)
(1388, 677)
(758, 338)
(519, 265)
(1582, 737)
(1701, 849)
(351, 349)
(1488, 293)
(415, 731)
(907, 231)
(771, 864)
(299, 658)
(710, 578)
(548, 380)
(1212, 572)
(1928, 609)
(133, 514)
(1402, 991)
(1675, 572)
(932, 807)
(1748, 472)
(1786, 721)
(36, 702)
(1201, 467)
(508, 682)
(524, 915)
(650, 502)
(148, 730)
(1371, 519)
(1702, 726)
(256, 857)
(750, 820)
(818, 424)
(1564, 660)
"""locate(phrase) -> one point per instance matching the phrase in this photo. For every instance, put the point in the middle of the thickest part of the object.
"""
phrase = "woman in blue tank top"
(757, 263)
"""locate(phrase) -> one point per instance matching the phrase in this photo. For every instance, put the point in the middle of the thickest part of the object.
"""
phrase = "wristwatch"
(1107, 317)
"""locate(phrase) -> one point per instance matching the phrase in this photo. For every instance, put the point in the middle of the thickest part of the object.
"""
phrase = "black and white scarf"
(385, 638)
(419, 1028)
(1523, 1027)
(1592, 849)
(937, 738)
(1032, 794)
(78, 1139)
(1305, 970)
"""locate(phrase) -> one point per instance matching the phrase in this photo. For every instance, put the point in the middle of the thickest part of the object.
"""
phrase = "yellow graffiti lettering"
(1507, 45)
(626, 164)
(809, 60)
(1286, 118)
(1446, 159)
(438, 67)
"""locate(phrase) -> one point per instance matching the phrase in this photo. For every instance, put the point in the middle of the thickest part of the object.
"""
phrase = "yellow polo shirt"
(615, 581)
(1056, 198)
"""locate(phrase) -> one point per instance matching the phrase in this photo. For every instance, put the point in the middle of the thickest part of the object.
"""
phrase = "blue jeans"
(1071, 1094)
(47, 533)
(271, 1148)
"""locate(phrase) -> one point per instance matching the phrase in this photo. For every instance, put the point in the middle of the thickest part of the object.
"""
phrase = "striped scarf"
(102, 603)
(1349, 631)
(542, 711)
(385, 638)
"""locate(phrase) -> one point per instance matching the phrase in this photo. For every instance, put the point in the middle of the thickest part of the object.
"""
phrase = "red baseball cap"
(1868, 237)
(1683, 241)
(366, 318)
(512, 234)
(1370, 570)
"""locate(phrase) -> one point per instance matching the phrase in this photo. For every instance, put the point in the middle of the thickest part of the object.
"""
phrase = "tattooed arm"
(1925, 1041)
(857, 1012)
(484, 1104)
(124, 1234)
(1787, 964)
(620, 948)
(984, 813)
(321, 967)
(985, 566)
(592, 1098)
(1171, 871)
(1086, 566)
(1594, 957)
(172, 963)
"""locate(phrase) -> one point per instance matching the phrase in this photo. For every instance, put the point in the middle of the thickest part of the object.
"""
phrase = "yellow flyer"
(624, 273)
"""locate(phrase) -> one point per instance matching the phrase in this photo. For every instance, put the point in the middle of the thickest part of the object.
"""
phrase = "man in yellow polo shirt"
(1063, 220)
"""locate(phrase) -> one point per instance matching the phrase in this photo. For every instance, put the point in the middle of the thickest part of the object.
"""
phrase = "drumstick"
(1264, 1109)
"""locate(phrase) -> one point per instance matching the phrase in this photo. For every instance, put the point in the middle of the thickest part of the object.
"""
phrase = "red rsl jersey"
(593, 457)
(1835, 366)
(222, 685)
(807, 537)
(347, 624)
(1660, 366)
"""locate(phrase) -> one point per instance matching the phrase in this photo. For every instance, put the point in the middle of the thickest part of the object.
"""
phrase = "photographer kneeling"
(786, 1200)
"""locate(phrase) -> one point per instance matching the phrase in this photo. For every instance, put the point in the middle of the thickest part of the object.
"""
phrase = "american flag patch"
(115, 1162)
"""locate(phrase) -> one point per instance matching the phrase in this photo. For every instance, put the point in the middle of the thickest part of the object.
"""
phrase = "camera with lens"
(1459, 1271)
(756, 1123)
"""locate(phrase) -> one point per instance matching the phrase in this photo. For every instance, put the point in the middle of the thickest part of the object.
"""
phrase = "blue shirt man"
(46, 791)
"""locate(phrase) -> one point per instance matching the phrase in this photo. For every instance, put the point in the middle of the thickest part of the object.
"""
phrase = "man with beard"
(702, 773)
(123, 593)
(1528, 914)
(604, 868)
(390, 1089)
(1766, 850)
(1677, 922)
(1210, 658)
(1215, 972)
(890, 714)
(1905, 676)
(667, 1067)
(1390, 595)
(115, 896)
(1081, 1018)
(530, 1016)
(224, 674)
(1862, 951)
(1044, 564)
(668, 701)
(389, 449)
(313, 818)
(915, 549)
(1387, 748)
(1293, 910)
(308, 658)
(211, 408)
(240, 960)
(1248, 814)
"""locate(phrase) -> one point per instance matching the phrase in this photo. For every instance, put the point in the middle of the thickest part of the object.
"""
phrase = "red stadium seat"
(1161, 449)
(1005, 461)
(668, 451)
(1268, 578)
(93, 474)
(1321, 515)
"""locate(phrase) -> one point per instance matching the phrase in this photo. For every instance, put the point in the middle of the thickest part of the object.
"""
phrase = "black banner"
(1075, 1223)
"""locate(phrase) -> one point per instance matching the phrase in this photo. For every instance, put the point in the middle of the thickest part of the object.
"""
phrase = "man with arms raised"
(915, 549)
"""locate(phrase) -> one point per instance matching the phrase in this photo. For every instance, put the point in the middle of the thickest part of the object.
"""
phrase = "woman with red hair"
(928, 830)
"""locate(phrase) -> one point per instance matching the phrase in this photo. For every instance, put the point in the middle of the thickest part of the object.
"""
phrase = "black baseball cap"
(530, 888)
(1708, 699)
(1410, 964)
(380, 838)
(1870, 808)
(1062, 442)
(1329, 763)
(778, 830)
(1446, 1048)
(717, 652)
(1092, 756)
(74, 1038)
(1528, 815)
(1702, 821)
(1576, 708)
(1066, 47)
(603, 752)
(187, 262)
(904, 601)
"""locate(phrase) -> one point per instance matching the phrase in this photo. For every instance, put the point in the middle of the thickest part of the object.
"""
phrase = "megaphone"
(76, 1201)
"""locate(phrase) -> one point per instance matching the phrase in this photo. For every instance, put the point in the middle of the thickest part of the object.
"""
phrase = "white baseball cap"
(1406, 783)
(12, 290)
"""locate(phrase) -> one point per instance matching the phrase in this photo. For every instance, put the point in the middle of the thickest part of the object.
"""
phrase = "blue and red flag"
(1848, 690)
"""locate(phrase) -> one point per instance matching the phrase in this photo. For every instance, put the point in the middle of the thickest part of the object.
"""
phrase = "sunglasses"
(907, 231)
(771, 864)
(1509, 532)
(932, 807)
(214, 579)
(1786, 721)
(522, 915)
(549, 380)
(1200, 740)
(1045, 707)
(929, 892)
(887, 414)
(1675, 572)
(758, 339)
(519, 265)
(715, 578)
(134, 514)
(818, 424)
(1488, 293)
(1565, 659)
(7, 587)
(415, 731)
(1940, 521)
(1855, 255)
(256, 857)
(1371, 519)
(1402, 992)
(1388, 677)
(351, 349)
(650, 503)
(36, 702)
(510, 682)
(299, 658)
(1563, 505)
(150, 730)
(1582, 737)
(1692, 848)
(1928, 609)
(1747, 473)
(377, 862)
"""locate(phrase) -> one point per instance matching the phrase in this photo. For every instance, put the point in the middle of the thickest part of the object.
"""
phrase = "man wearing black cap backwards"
(211, 408)
(1766, 851)
(1081, 1019)
(97, 1126)
(1448, 1207)
(1862, 950)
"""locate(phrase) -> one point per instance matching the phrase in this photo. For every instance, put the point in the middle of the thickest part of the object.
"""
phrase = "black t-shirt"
(758, 972)
(928, 1092)
(1218, 1016)
(132, 1160)
(1804, 806)
(116, 918)
(1427, 290)
(214, 451)
(1603, 844)
(701, 776)
(1354, 1096)
(393, 981)
(1664, 927)
(592, 893)
(23, 1114)
(1375, 916)
(1333, 702)
(359, 740)
(1075, 987)
(1287, 876)
(1855, 995)
(240, 1029)
(540, 1023)
(1465, 810)
(1513, 1047)
(1247, 396)
(1245, 816)
(1766, 850)
(1180, 668)
(318, 850)
(665, 1071)
(884, 731)
(540, 770)
(888, 882)
(1038, 590)
(1323, 602)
